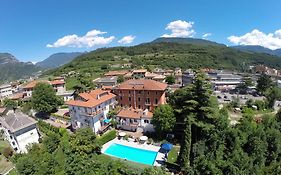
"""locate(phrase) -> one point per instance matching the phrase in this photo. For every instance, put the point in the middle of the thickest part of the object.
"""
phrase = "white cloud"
(127, 39)
(206, 35)
(256, 37)
(91, 39)
(180, 28)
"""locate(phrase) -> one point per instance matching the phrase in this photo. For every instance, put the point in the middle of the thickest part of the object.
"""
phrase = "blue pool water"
(132, 154)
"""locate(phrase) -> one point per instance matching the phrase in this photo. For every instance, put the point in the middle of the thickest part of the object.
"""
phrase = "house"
(20, 130)
(106, 81)
(5, 90)
(90, 109)
(139, 73)
(116, 73)
(58, 84)
(131, 119)
(141, 94)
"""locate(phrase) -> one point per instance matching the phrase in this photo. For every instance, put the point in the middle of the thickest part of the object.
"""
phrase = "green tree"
(163, 119)
(272, 94)
(170, 79)
(10, 103)
(263, 83)
(44, 98)
(120, 79)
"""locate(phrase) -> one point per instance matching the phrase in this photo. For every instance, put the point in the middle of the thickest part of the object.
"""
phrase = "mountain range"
(58, 59)
(161, 52)
(258, 49)
(11, 68)
(167, 53)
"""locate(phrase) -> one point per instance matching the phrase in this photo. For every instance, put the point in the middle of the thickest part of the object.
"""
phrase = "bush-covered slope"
(168, 55)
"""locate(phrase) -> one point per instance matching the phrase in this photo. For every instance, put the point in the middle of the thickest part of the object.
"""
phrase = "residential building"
(132, 119)
(20, 130)
(141, 94)
(139, 73)
(90, 109)
(5, 90)
(106, 81)
(58, 84)
(187, 77)
(116, 73)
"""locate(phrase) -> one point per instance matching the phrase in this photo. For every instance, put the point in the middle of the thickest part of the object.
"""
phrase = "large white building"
(20, 130)
(5, 90)
(91, 109)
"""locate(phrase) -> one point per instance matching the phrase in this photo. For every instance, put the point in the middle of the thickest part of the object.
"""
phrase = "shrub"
(7, 152)
(107, 137)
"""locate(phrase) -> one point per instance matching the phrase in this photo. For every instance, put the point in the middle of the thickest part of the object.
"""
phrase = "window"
(31, 133)
(156, 101)
(147, 92)
(147, 100)
(148, 107)
(15, 148)
(156, 92)
(11, 137)
(121, 105)
(120, 98)
(13, 143)
(146, 121)
(130, 99)
(129, 92)
(139, 99)
(139, 106)
(139, 92)
(130, 105)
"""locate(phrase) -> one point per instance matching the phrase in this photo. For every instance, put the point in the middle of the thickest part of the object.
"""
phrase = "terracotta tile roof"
(107, 87)
(17, 96)
(2, 110)
(143, 84)
(134, 113)
(32, 84)
(140, 71)
(116, 73)
(56, 82)
(92, 99)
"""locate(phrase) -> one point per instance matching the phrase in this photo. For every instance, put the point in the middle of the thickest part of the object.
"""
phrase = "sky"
(32, 30)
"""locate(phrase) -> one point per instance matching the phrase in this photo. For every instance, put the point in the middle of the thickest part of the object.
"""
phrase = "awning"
(167, 146)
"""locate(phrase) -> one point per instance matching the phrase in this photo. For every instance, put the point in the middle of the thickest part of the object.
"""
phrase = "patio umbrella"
(167, 146)
(122, 134)
(143, 138)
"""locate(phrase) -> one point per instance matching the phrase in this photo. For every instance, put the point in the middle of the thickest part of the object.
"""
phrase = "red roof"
(143, 84)
(57, 82)
(134, 113)
(92, 99)
(116, 73)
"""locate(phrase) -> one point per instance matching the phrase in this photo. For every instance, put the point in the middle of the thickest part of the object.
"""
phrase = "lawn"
(139, 167)
(3, 144)
(173, 154)
(4, 164)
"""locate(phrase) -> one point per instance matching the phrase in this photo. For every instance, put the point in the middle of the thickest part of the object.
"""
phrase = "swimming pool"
(132, 154)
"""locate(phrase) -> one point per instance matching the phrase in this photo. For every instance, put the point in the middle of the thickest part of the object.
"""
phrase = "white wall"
(5, 92)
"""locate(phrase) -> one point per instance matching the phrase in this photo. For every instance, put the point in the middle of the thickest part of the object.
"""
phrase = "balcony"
(147, 103)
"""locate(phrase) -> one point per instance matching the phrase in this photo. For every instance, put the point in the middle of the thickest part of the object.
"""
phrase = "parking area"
(225, 97)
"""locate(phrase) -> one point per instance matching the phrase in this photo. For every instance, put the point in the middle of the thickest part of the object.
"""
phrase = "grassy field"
(173, 154)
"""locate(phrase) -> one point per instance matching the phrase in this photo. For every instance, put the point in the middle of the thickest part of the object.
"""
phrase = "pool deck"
(159, 160)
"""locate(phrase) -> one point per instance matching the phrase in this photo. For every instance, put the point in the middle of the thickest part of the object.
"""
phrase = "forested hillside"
(167, 55)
